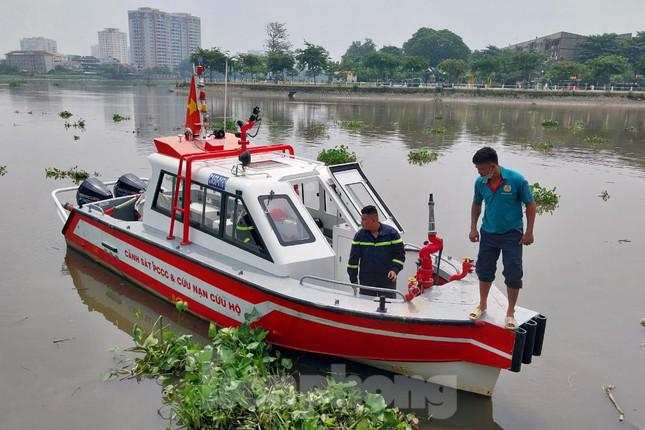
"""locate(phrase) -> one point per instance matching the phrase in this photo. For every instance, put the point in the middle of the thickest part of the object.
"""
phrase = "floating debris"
(63, 340)
(65, 114)
(76, 137)
(118, 118)
(643, 322)
(604, 195)
(608, 389)
(74, 174)
(624, 241)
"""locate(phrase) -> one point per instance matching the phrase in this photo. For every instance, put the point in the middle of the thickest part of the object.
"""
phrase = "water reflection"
(117, 300)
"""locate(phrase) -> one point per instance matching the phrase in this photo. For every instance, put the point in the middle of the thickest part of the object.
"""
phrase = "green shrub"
(336, 155)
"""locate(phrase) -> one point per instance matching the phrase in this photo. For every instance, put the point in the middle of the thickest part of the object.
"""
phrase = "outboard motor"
(128, 185)
(92, 190)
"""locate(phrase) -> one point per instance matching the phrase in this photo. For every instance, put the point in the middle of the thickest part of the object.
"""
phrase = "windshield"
(285, 220)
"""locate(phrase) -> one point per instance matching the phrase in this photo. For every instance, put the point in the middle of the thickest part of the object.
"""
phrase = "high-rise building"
(160, 39)
(113, 44)
(38, 44)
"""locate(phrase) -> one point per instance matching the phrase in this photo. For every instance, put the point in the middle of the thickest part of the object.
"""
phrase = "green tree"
(436, 45)
(392, 50)
(252, 64)
(357, 50)
(599, 45)
(635, 52)
(603, 69)
(413, 66)
(118, 71)
(486, 64)
(381, 65)
(521, 66)
(453, 68)
(563, 70)
(213, 60)
(8, 69)
(312, 58)
(279, 62)
(277, 38)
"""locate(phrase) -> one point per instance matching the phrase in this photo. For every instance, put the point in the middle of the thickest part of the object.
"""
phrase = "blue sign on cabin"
(217, 181)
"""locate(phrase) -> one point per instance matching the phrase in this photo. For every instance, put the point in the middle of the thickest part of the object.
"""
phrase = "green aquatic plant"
(3, 170)
(315, 130)
(337, 155)
(238, 381)
(578, 126)
(422, 156)
(65, 114)
(631, 129)
(79, 124)
(118, 118)
(352, 125)
(595, 140)
(545, 146)
(15, 83)
(73, 173)
(546, 200)
(434, 130)
(231, 125)
(550, 123)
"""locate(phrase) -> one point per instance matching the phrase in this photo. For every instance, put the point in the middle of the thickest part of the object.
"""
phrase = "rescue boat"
(255, 233)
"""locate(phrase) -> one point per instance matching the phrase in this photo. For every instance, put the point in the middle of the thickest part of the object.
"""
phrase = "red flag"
(193, 117)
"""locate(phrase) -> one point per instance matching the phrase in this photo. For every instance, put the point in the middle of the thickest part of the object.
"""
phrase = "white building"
(159, 39)
(113, 44)
(38, 44)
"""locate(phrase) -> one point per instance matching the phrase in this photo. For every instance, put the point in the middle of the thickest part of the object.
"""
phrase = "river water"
(60, 313)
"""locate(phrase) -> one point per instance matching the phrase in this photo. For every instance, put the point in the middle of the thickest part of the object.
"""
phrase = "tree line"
(429, 55)
(436, 55)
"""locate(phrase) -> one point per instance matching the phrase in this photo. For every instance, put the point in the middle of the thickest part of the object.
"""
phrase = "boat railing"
(60, 209)
(354, 287)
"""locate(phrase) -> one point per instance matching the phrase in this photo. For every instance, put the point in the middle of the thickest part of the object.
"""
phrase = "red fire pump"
(424, 278)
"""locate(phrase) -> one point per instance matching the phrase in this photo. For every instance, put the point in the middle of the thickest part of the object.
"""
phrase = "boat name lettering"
(217, 181)
(184, 283)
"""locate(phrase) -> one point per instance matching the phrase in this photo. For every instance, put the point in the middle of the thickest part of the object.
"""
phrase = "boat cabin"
(285, 215)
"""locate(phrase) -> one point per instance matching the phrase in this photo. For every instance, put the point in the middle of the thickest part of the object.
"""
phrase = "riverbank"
(308, 92)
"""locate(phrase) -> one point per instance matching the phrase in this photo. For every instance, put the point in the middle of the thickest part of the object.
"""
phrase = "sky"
(239, 26)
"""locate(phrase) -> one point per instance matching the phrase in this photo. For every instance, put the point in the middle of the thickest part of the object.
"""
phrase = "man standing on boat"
(503, 192)
(377, 254)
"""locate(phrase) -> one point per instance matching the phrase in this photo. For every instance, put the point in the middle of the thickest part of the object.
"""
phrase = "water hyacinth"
(422, 156)
(337, 155)
(238, 381)
(546, 200)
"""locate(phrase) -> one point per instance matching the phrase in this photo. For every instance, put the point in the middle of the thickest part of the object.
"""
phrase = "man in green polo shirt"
(503, 192)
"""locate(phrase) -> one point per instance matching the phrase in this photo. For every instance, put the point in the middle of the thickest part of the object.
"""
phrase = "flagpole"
(225, 91)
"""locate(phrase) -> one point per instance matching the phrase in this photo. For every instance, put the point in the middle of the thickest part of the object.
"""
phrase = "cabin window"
(214, 212)
(362, 197)
(164, 194)
(285, 220)
(240, 228)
